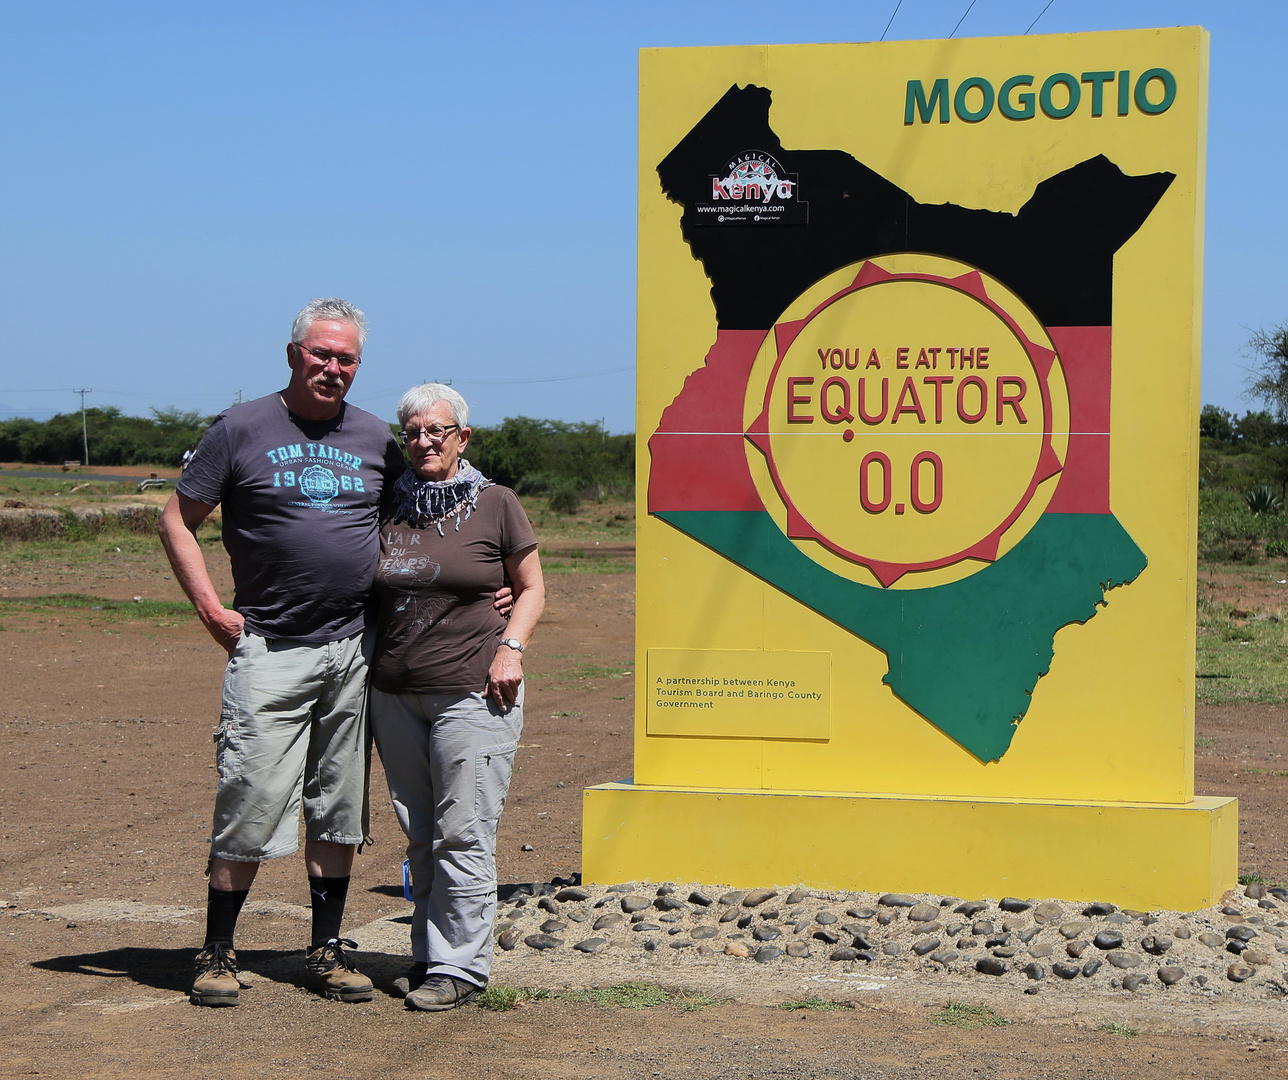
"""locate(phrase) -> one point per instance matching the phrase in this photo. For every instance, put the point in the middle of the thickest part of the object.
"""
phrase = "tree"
(1268, 375)
(1217, 423)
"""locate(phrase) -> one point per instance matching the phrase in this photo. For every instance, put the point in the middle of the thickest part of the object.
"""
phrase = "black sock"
(222, 908)
(328, 895)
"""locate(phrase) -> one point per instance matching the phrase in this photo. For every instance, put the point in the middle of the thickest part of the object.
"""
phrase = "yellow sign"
(739, 694)
(918, 353)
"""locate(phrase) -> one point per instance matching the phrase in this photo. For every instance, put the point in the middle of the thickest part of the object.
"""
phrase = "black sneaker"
(216, 977)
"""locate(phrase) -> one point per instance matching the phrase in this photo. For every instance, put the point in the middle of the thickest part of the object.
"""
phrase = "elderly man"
(299, 475)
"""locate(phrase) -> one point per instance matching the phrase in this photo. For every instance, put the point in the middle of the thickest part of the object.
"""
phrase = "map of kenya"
(966, 655)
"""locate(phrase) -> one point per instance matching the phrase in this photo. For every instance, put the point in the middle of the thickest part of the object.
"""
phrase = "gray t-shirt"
(300, 506)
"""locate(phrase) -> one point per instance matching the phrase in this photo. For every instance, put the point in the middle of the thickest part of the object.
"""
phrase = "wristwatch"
(514, 643)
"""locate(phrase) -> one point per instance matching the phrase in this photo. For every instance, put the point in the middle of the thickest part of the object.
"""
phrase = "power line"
(963, 18)
(554, 378)
(888, 24)
(1040, 14)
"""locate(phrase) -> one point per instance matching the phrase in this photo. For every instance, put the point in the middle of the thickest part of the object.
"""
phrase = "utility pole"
(84, 429)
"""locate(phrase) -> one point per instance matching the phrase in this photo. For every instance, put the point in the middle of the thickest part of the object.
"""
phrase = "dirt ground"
(106, 777)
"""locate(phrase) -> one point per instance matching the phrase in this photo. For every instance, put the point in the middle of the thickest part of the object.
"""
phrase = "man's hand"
(225, 626)
(504, 602)
(504, 677)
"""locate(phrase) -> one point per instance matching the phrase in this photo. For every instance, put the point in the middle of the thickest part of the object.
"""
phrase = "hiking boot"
(329, 972)
(439, 992)
(216, 977)
(404, 984)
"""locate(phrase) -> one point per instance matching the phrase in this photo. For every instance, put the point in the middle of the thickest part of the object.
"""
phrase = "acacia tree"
(1268, 375)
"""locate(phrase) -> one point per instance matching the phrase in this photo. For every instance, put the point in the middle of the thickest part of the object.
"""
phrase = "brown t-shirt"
(438, 628)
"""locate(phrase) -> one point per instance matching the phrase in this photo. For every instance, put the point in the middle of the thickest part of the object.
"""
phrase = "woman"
(447, 686)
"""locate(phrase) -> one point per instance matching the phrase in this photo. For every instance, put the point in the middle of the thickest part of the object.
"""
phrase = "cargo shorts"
(292, 735)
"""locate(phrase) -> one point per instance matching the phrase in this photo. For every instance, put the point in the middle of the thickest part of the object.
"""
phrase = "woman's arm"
(523, 568)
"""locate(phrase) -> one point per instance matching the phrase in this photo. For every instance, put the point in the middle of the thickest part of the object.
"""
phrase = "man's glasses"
(324, 357)
(435, 434)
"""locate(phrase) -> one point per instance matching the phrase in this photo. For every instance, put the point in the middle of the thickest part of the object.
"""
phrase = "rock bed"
(1239, 947)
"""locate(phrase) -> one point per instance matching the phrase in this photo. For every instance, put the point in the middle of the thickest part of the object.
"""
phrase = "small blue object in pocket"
(407, 880)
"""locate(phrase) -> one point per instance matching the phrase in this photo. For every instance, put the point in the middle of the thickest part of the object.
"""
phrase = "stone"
(676, 930)
(640, 916)
(701, 899)
(1135, 981)
(1255, 890)
(510, 939)
(1066, 970)
(1042, 951)
(542, 941)
(799, 925)
(982, 928)
(1182, 932)
(843, 953)
(1108, 939)
(1240, 972)
(730, 914)
(861, 942)
(928, 928)
(1241, 933)
(990, 966)
(701, 933)
(766, 933)
(769, 914)
(1212, 939)
(1236, 947)
(887, 917)
(1093, 910)
(954, 928)
(1072, 929)
(1012, 924)
(646, 926)
(572, 893)
(926, 945)
(705, 950)
(1267, 905)
(1233, 912)
(923, 913)
(737, 948)
(1156, 944)
(854, 928)
(767, 953)
(610, 919)
(971, 907)
(650, 945)
(1047, 911)
(665, 890)
(1076, 948)
(681, 943)
(553, 926)
(670, 903)
(892, 948)
(998, 941)
(898, 900)
(744, 920)
(944, 957)
(1124, 958)
(1255, 957)
(1091, 966)
(526, 847)
(620, 888)
(592, 945)
(758, 896)
(1133, 913)
(634, 903)
(828, 937)
(1029, 934)
(1005, 951)
(547, 903)
(825, 918)
(967, 942)
(733, 898)
(1171, 974)
(798, 896)
(1034, 971)
(1011, 903)
(575, 915)
(1118, 919)
(860, 912)
(799, 950)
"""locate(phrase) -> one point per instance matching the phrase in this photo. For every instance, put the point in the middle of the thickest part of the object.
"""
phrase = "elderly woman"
(447, 686)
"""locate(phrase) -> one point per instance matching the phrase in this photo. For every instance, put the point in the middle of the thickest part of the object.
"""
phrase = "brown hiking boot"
(440, 992)
(329, 972)
(216, 977)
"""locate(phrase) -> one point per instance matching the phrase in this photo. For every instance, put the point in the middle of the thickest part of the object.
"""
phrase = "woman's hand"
(504, 677)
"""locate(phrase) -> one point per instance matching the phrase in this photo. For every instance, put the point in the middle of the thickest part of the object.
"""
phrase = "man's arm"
(178, 529)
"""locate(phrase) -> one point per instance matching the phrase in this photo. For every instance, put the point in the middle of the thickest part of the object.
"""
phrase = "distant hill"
(7, 412)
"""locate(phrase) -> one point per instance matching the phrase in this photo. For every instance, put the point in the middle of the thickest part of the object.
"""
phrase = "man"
(299, 474)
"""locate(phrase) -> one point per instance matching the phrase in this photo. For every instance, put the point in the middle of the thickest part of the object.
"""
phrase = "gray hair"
(328, 309)
(419, 398)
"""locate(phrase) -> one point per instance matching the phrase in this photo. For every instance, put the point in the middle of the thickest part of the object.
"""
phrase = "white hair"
(328, 309)
(419, 398)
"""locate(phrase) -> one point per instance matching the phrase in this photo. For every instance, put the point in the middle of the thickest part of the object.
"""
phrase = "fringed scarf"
(422, 503)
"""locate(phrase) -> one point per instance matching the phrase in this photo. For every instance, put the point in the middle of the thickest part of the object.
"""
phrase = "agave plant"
(1262, 499)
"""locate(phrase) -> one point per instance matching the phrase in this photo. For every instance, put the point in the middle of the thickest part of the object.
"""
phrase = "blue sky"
(179, 178)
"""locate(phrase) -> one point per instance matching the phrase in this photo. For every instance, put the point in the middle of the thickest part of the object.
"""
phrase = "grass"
(813, 1004)
(1268, 772)
(1202, 742)
(39, 491)
(587, 671)
(1113, 1027)
(500, 998)
(97, 609)
(960, 1015)
(1239, 660)
(628, 995)
(598, 539)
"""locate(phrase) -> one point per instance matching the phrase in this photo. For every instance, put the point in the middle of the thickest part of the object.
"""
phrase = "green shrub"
(1262, 499)
(1228, 530)
(565, 499)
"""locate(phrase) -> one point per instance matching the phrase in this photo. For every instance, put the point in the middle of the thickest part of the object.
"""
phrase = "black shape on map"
(1057, 252)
